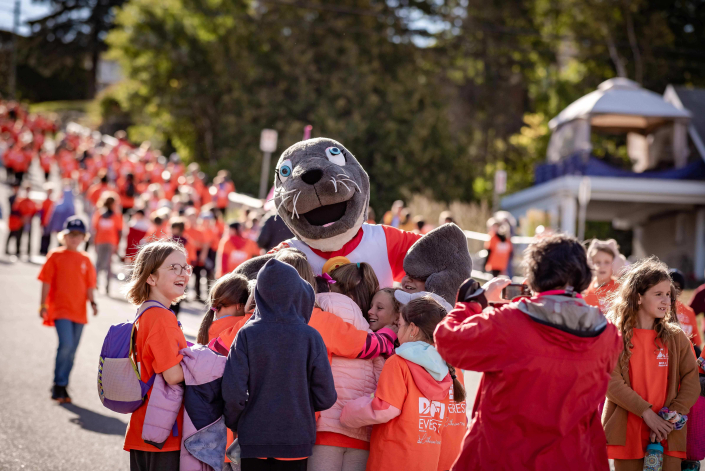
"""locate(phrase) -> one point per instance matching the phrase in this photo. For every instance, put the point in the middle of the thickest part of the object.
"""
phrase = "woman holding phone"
(546, 362)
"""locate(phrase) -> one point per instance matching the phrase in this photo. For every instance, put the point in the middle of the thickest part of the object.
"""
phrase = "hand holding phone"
(514, 290)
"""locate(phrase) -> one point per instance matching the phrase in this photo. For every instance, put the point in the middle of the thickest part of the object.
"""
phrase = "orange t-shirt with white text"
(69, 274)
(648, 373)
(412, 440)
(688, 322)
(158, 341)
(454, 429)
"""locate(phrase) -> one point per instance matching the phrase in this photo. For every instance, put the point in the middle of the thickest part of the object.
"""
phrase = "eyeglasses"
(179, 269)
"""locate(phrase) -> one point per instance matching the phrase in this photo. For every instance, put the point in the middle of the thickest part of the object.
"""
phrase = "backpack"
(120, 386)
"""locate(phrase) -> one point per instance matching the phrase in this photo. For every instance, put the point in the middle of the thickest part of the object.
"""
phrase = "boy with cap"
(68, 279)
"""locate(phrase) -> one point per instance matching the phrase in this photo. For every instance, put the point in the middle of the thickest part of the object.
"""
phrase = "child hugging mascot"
(323, 194)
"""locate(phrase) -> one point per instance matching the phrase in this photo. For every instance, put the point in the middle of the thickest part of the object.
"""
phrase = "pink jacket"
(204, 437)
(353, 378)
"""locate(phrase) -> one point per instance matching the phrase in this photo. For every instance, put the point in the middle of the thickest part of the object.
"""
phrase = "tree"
(73, 32)
(213, 74)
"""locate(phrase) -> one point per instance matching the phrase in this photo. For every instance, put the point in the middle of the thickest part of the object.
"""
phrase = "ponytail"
(458, 388)
(229, 290)
(205, 327)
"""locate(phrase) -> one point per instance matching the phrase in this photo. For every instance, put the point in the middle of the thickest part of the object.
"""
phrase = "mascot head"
(321, 192)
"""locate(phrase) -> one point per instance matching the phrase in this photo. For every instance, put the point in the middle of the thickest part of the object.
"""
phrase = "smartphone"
(514, 290)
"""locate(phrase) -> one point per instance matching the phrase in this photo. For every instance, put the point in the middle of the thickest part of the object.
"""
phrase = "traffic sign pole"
(267, 144)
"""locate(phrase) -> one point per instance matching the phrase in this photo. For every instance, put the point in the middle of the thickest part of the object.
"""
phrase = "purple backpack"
(119, 384)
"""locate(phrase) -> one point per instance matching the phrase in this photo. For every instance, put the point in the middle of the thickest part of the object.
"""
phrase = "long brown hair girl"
(633, 284)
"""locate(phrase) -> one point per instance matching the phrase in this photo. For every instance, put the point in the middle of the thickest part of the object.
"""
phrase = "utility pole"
(12, 85)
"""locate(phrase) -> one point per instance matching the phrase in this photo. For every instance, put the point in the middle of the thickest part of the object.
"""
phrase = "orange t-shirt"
(158, 341)
(648, 373)
(598, 296)
(47, 205)
(234, 251)
(412, 440)
(454, 429)
(499, 254)
(69, 274)
(195, 239)
(227, 335)
(688, 322)
(107, 230)
(220, 325)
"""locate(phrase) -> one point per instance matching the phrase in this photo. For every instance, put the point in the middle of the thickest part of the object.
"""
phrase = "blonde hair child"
(160, 273)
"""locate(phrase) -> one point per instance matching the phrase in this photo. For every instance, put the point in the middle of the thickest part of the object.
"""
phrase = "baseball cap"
(75, 224)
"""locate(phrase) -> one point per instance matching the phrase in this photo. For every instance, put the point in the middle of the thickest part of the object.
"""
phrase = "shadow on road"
(94, 422)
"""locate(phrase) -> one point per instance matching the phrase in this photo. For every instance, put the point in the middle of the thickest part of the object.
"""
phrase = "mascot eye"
(285, 170)
(335, 155)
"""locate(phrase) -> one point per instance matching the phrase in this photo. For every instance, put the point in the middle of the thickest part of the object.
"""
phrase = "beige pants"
(669, 464)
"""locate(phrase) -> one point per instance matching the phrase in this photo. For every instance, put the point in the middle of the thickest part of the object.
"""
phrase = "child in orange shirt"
(499, 249)
(68, 280)
(234, 250)
(606, 263)
(656, 372)
(160, 273)
(107, 226)
(226, 307)
(409, 408)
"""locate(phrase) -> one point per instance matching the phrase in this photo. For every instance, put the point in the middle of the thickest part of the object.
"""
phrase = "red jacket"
(536, 408)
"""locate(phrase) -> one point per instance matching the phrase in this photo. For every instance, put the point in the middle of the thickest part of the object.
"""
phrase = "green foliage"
(434, 105)
(211, 75)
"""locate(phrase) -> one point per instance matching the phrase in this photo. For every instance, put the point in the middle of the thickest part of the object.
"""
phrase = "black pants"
(270, 464)
(17, 236)
(154, 461)
(46, 241)
(19, 176)
(199, 273)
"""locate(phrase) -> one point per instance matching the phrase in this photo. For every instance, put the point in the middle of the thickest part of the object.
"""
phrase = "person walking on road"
(68, 280)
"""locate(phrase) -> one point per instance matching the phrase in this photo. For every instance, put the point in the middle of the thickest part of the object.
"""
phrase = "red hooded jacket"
(536, 408)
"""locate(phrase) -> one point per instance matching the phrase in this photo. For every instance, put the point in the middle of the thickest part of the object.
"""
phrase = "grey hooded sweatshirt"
(277, 374)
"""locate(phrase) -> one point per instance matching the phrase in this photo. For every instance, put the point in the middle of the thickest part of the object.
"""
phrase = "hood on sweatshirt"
(429, 370)
(282, 296)
(569, 314)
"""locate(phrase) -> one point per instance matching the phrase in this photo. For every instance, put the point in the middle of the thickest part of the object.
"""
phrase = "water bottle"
(653, 459)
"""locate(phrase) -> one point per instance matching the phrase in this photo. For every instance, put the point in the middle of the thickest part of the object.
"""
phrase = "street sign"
(500, 182)
(268, 140)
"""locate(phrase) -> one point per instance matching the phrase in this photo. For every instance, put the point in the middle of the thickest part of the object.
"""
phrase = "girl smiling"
(656, 370)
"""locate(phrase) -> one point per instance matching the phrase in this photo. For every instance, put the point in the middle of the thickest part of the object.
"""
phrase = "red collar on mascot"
(344, 251)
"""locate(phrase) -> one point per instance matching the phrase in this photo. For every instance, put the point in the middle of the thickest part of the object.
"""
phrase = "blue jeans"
(69, 336)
